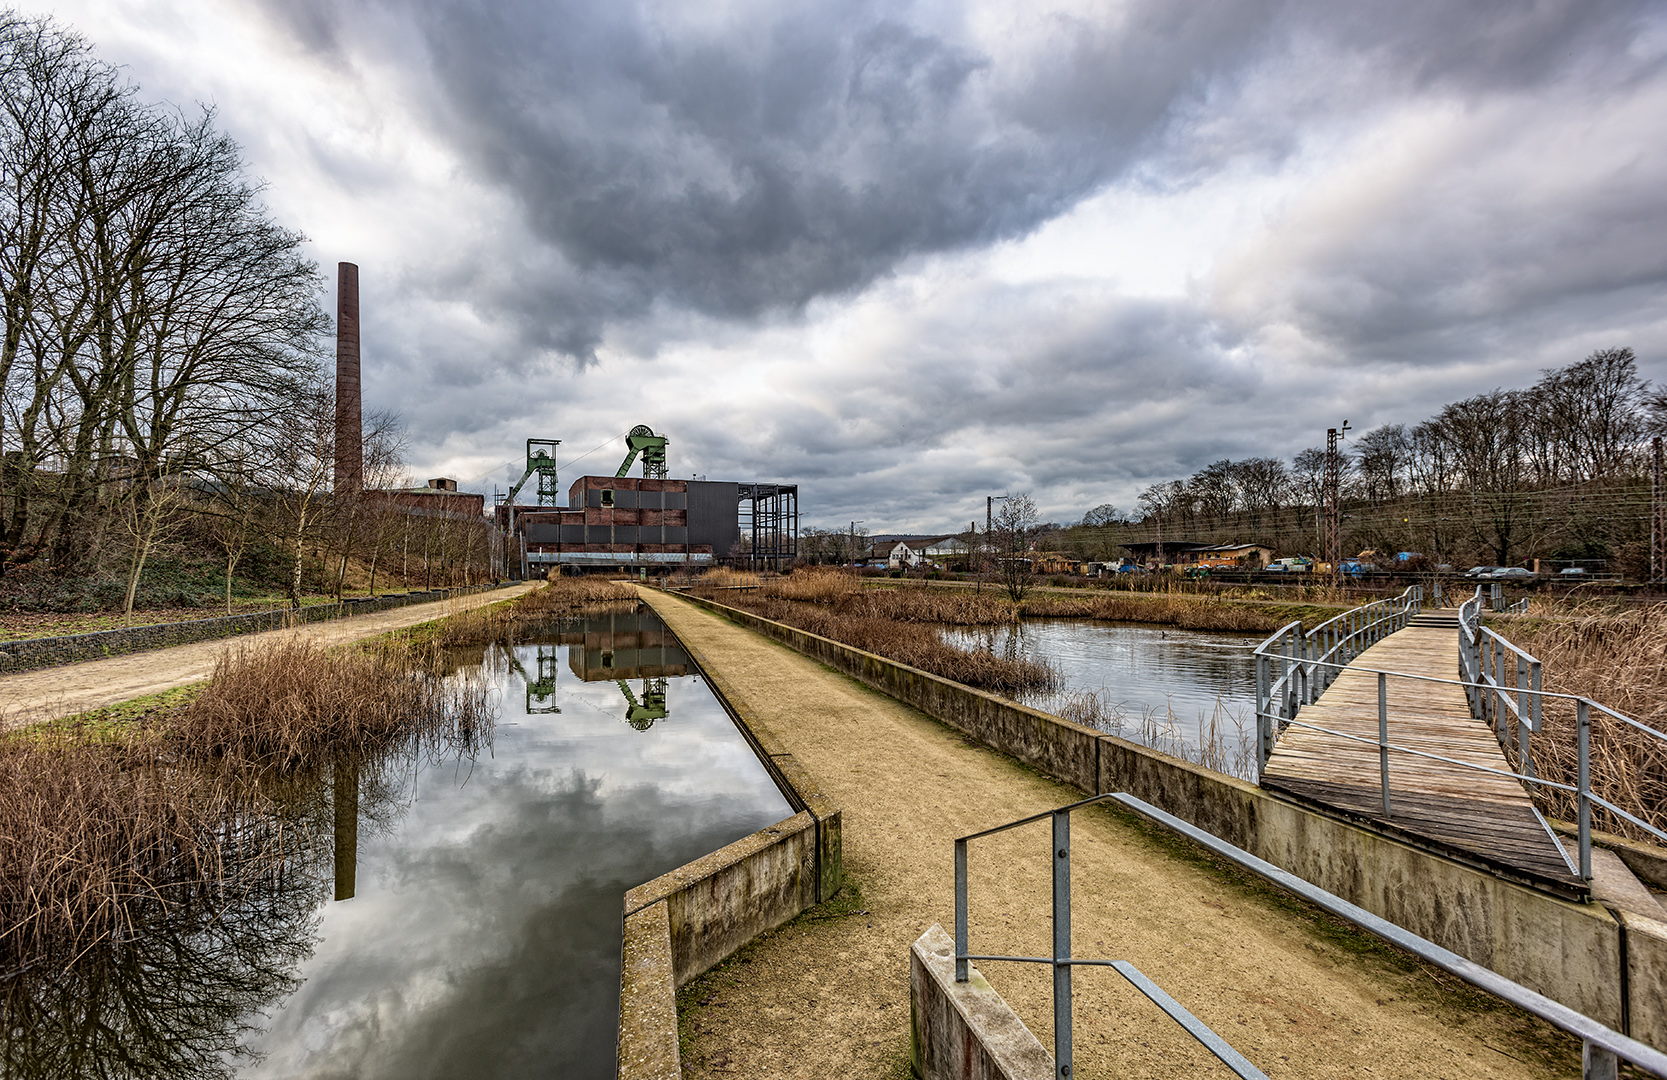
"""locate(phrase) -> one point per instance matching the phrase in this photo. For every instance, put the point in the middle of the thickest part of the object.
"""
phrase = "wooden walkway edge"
(1469, 815)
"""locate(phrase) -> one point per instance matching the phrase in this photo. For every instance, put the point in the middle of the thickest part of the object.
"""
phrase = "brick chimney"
(350, 459)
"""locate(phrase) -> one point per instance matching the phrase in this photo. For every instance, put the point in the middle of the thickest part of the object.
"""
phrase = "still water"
(1163, 685)
(478, 929)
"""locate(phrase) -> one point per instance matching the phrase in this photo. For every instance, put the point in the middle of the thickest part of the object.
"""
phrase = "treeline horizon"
(1559, 470)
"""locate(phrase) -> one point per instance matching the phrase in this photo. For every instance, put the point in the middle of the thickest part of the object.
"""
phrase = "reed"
(506, 622)
(97, 840)
(1223, 743)
(297, 704)
(1618, 658)
(918, 644)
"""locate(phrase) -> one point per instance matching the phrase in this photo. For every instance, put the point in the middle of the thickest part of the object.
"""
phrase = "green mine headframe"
(652, 447)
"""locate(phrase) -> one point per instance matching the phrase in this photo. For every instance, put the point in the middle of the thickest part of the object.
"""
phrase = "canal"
(464, 918)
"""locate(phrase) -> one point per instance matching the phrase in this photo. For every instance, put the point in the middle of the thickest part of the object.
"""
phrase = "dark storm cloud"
(754, 161)
(1466, 193)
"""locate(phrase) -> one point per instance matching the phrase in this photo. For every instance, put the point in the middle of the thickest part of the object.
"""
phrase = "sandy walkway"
(31, 696)
(827, 995)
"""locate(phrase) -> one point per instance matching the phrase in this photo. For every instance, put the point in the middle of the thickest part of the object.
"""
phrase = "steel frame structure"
(769, 516)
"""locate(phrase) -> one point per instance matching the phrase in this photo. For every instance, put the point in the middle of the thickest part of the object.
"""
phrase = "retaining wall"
(29, 654)
(688, 921)
(1573, 953)
(964, 1031)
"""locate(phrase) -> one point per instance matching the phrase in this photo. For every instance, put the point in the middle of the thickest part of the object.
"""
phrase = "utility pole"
(1658, 513)
(1334, 499)
(854, 525)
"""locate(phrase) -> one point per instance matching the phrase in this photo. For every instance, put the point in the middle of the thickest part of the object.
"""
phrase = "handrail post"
(1264, 742)
(1383, 738)
(1062, 944)
(1583, 782)
(1596, 1063)
(961, 949)
(1525, 727)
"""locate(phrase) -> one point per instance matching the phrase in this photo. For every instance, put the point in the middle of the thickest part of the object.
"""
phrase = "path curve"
(49, 693)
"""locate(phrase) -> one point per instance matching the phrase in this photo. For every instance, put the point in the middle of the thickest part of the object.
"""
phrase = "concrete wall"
(688, 921)
(32, 653)
(964, 1031)
(1572, 953)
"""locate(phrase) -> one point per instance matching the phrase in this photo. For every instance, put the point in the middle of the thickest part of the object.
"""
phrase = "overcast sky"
(907, 255)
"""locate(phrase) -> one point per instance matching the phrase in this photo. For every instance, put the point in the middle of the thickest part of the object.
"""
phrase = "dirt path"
(32, 696)
(827, 995)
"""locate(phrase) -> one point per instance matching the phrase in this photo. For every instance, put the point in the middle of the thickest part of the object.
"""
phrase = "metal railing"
(1501, 684)
(1602, 1046)
(1294, 667)
(1062, 961)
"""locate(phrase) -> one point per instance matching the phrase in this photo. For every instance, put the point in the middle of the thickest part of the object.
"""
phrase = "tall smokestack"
(350, 454)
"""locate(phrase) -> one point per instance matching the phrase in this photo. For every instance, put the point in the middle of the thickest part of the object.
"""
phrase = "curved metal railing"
(1294, 666)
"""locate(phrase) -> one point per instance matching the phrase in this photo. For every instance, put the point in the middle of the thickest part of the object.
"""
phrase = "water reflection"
(484, 937)
(476, 924)
(174, 1000)
(1169, 685)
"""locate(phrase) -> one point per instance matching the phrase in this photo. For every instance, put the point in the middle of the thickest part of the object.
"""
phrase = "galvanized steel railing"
(1602, 1047)
(1062, 961)
(1294, 667)
(1501, 683)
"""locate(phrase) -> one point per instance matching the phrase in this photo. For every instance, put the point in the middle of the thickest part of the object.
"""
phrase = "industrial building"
(626, 522)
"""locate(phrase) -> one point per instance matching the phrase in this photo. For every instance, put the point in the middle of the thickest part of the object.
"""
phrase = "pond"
(1176, 690)
(467, 921)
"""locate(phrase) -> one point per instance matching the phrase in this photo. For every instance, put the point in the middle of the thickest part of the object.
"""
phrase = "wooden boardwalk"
(1473, 816)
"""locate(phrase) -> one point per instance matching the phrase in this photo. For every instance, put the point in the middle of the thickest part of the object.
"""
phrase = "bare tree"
(1012, 526)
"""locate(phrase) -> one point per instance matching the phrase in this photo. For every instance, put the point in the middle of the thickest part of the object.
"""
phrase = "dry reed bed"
(506, 622)
(105, 829)
(849, 617)
(1223, 745)
(1619, 659)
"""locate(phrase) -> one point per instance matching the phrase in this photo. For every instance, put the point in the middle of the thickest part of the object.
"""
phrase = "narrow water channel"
(1169, 688)
(468, 920)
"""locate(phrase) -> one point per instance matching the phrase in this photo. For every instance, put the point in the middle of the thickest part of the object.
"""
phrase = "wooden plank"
(1487, 815)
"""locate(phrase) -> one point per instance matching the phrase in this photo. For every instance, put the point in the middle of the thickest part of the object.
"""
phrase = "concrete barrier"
(1573, 953)
(964, 1031)
(686, 922)
(29, 654)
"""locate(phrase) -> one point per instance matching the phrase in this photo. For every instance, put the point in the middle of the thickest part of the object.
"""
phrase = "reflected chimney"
(350, 460)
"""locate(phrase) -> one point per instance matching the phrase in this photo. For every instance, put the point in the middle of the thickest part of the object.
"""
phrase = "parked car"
(1482, 571)
(1355, 568)
(1572, 571)
(1510, 573)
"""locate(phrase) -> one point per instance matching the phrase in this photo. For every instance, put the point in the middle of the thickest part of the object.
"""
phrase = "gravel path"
(31, 696)
(827, 995)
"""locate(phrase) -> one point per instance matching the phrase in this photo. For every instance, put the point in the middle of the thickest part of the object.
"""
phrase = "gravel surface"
(32, 696)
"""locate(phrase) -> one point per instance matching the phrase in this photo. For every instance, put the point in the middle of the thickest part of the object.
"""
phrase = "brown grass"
(1620, 660)
(916, 643)
(96, 840)
(505, 622)
(1171, 609)
(107, 826)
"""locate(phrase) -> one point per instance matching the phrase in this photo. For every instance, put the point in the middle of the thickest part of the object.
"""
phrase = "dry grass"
(296, 704)
(1223, 745)
(106, 826)
(1172, 609)
(505, 622)
(916, 643)
(1620, 660)
(97, 840)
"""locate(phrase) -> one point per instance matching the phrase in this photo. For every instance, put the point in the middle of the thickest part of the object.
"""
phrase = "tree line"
(163, 352)
(1557, 470)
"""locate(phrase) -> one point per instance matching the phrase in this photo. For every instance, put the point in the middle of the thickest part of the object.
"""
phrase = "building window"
(607, 497)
